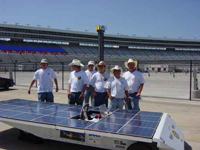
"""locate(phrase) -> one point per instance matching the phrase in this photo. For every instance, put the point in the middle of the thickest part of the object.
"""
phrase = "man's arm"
(83, 91)
(109, 95)
(56, 83)
(140, 90)
(93, 92)
(32, 83)
(68, 91)
(127, 96)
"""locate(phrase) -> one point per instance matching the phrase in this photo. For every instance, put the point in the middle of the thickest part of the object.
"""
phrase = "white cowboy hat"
(44, 61)
(130, 61)
(76, 62)
(91, 63)
(102, 63)
(116, 68)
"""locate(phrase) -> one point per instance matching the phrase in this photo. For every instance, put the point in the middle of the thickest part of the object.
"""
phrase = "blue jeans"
(101, 99)
(133, 102)
(74, 98)
(46, 97)
(88, 94)
(116, 103)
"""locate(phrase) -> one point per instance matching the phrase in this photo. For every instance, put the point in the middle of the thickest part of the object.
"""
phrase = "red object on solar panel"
(98, 116)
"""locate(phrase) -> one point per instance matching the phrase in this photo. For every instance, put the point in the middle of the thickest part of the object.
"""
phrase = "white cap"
(44, 61)
(91, 63)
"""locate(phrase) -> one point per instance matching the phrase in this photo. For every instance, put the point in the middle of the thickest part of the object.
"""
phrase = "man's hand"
(57, 89)
(138, 95)
(95, 94)
(81, 96)
(29, 91)
(68, 92)
(127, 100)
(111, 98)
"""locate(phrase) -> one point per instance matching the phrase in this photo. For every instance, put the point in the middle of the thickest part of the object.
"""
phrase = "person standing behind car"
(117, 89)
(88, 92)
(78, 81)
(135, 82)
(97, 84)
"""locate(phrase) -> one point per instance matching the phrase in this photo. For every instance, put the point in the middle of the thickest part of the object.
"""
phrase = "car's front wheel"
(7, 86)
(139, 146)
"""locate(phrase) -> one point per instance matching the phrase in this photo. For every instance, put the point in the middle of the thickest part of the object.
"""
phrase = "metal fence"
(168, 79)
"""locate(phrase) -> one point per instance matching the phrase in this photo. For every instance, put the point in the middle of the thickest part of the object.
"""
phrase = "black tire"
(7, 85)
(139, 146)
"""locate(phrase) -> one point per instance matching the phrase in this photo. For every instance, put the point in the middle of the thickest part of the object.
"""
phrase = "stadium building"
(25, 45)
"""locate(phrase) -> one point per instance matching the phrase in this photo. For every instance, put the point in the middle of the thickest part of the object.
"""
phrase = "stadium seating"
(26, 52)
(5, 47)
(29, 57)
(16, 58)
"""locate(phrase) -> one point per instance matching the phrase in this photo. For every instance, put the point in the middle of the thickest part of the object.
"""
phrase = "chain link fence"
(167, 79)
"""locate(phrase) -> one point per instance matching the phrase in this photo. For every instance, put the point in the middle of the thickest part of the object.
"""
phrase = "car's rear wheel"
(7, 86)
(139, 146)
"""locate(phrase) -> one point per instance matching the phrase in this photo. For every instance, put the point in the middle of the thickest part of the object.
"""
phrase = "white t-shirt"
(98, 81)
(117, 87)
(77, 80)
(44, 77)
(134, 79)
(89, 75)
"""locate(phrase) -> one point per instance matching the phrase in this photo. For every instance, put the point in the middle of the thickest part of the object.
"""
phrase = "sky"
(143, 18)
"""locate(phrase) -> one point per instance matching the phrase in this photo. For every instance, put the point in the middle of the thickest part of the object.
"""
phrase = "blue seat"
(28, 48)
(60, 50)
(39, 49)
(49, 49)
(17, 48)
(5, 47)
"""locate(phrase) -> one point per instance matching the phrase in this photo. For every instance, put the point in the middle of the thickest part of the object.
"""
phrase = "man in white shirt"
(88, 92)
(135, 82)
(97, 84)
(117, 89)
(78, 81)
(44, 76)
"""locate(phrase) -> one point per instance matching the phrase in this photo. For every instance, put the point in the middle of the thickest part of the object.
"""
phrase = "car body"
(6, 83)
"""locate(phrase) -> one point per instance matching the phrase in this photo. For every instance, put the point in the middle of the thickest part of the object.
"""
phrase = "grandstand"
(22, 44)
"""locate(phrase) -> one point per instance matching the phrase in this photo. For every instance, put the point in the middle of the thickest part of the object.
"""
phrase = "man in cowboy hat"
(117, 89)
(97, 84)
(44, 76)
(135, 82)
(88, 92)
(78, 81)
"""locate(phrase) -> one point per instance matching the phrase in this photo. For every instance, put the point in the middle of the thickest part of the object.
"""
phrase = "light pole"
(100, 29)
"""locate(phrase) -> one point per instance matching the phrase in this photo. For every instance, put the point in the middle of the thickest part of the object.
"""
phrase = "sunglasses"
(100, 66)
